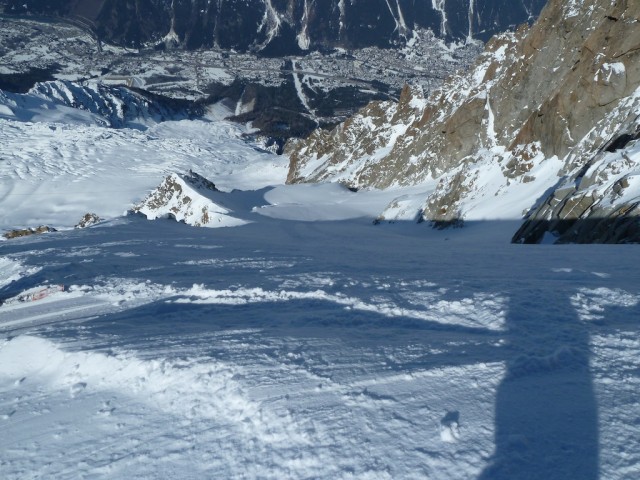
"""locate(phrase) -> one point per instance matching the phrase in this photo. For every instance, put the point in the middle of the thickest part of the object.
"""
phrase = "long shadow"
(546, 424)
(158, 322)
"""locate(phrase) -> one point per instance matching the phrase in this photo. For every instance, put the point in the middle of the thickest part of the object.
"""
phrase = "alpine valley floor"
(306, 343)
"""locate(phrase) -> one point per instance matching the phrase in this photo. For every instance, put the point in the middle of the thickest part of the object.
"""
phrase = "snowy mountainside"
(327, 350)
(282, 96)
(285, 27)
(114, 106)
(532, 116)
(59, 163)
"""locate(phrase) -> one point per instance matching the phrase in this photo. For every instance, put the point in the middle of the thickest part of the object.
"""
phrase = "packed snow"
(305, 342)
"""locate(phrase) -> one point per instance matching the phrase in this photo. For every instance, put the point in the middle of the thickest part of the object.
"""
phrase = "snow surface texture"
(306, 343)
(544, 126)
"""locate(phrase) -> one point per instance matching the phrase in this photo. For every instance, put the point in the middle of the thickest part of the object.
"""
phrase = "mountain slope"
(94, 102)
(535, 113)
(286, 26)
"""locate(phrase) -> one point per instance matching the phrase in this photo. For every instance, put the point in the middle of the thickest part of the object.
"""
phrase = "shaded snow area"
(336, 349)
(302, 342)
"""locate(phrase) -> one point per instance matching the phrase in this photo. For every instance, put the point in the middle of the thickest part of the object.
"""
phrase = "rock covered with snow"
(533, 115)
(187, 198)
(597, 203)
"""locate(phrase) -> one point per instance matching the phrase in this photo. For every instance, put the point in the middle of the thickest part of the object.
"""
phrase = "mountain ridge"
(555, 95)
(276, 27)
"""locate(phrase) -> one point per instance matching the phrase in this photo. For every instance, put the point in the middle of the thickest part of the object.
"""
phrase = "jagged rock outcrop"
(278, 27)
(536, 113)
(599, 202)
(187, 198)
(364, 150)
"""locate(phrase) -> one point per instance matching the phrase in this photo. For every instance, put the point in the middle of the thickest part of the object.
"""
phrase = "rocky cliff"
(543, 125)
(285, 26)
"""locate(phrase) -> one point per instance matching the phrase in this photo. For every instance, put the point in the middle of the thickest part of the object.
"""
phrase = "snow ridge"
(303, 36)
(118, 106)
(187, 199)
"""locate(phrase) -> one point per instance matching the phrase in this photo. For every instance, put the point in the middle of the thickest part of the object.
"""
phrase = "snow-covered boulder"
(187, 198)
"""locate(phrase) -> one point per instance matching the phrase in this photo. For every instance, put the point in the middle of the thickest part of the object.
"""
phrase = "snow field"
(210, 352)
(306, 343)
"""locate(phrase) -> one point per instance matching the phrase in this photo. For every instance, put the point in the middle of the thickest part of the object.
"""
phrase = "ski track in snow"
(299, 89)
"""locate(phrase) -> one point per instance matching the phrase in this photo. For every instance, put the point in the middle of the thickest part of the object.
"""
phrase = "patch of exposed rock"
(187, 198)
(28, 231)
(532, 120)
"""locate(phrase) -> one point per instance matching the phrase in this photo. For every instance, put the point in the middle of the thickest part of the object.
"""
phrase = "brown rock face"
(565, 88)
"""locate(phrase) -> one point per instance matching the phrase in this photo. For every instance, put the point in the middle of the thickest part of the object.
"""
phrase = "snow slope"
(306, 342)
(288, 349)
